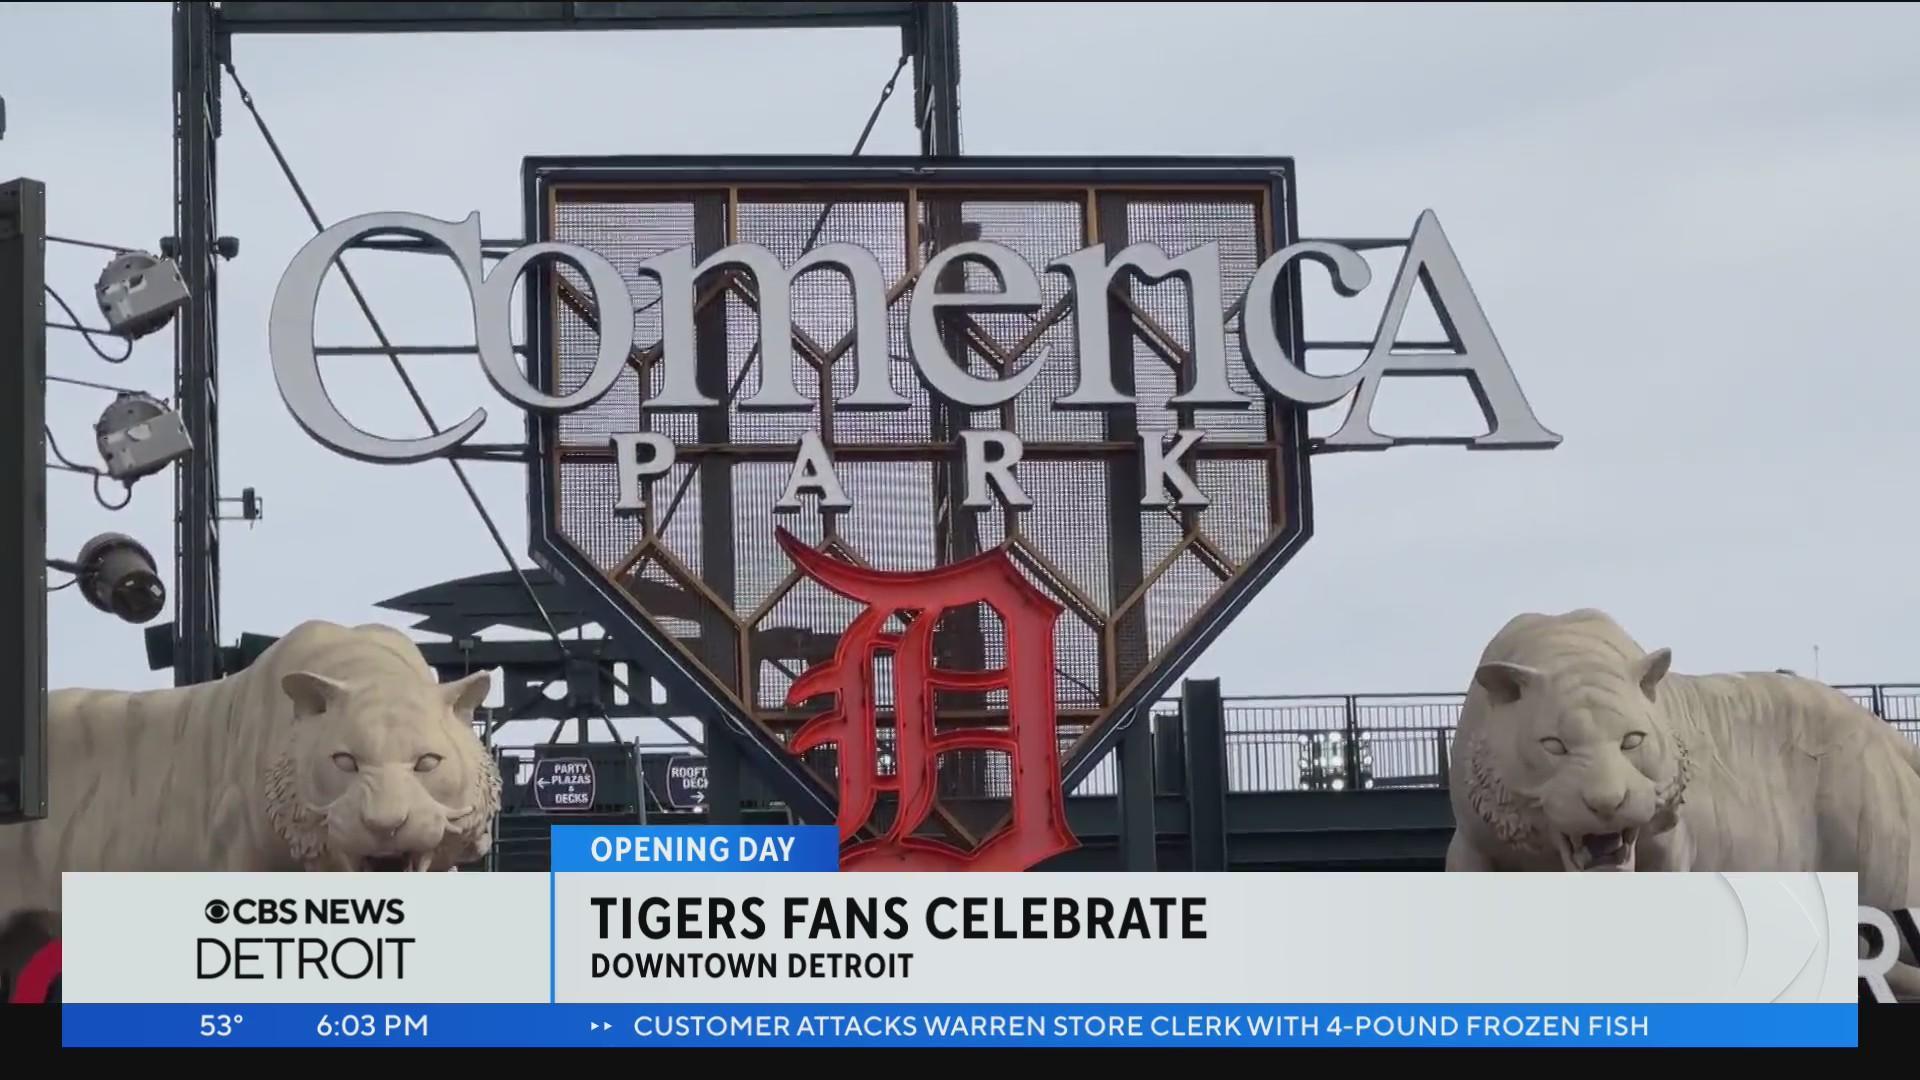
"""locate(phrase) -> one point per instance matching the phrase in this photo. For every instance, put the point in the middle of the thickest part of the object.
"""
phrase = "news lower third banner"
(749, 937)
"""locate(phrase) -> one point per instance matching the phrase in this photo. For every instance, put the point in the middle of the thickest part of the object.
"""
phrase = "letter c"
(1267, 354)
(932, 909)
(290, 335)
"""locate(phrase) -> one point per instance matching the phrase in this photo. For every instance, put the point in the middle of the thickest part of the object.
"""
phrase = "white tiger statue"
(1578, 750)
(337, 749)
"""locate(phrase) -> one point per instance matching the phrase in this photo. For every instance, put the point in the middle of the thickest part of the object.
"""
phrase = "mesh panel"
(759, 565)
(807, 607)
(1240, 535)
(627, 234)
(1168, 606)
(901, 468)
(1175, 228)
(587, 519)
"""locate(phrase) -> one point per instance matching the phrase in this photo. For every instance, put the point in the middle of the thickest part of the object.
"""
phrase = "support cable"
(366, 309)
(115, 248)
(473, 496)
(93, 385)
(859, 145)
(87, 331)
(68, 465)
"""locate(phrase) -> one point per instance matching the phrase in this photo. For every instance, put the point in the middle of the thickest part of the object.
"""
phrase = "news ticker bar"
(1001, 1025)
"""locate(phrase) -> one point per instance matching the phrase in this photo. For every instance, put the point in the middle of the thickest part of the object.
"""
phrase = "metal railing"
(1301, 742)
(1308, 742)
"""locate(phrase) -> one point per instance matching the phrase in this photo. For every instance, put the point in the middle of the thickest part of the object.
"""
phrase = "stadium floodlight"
(138, 293)
(117, 575)
(139, 435)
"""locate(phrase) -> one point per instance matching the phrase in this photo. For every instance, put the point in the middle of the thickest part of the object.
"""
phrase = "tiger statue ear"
(313, 694)
(465, 695)
(1505, 682)
(1651, 669)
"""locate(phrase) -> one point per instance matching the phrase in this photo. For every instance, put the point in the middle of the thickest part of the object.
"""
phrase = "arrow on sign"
(571, 781)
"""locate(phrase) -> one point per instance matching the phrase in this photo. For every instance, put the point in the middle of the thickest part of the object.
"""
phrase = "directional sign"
(563, 785)
(687, 782)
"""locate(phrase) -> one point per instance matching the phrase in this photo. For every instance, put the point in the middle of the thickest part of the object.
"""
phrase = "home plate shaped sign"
(921, 477)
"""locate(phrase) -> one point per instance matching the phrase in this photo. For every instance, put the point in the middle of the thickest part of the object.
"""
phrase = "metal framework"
(202, 41)
(23, 524)
(197, 47)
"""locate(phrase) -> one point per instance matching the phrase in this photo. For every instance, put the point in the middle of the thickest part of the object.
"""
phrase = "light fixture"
(117, 575)
(138, 293)
(139, 435)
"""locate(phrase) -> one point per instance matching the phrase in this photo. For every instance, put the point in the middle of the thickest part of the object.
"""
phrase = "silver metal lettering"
(774, 284)
(998, 470)
(679, 380)
(1093, 276)
(1511, 424)
(290, 335)
(1161, 466)
(1429, 260)
(1019, 292)
(1276, 368)
(493, 326)
(813, 471)
(1475, 353)
(633, 471)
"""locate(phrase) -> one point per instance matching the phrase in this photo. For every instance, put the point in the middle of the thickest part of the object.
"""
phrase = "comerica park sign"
(920, 478)
(990, 456)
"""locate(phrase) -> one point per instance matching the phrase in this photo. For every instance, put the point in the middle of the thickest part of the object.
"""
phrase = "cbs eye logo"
(252, 912)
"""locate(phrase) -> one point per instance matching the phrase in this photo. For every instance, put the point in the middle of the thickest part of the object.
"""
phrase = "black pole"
(1204, 717)
(196, 76)
(1170, 756)
(936, 83)
(23, 540)
(723, 773)
(1350, 748)
(1137, 839)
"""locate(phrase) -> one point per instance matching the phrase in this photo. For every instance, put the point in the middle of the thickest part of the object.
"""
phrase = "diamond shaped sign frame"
(696, 578)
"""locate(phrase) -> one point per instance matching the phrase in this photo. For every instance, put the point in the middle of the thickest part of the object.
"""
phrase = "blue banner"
(685, 1025)
(695, 848)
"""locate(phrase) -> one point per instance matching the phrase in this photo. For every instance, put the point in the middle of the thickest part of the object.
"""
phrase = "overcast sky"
(1692, 228)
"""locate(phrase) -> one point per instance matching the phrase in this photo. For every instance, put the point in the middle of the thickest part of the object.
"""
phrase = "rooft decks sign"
(1094, 368)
